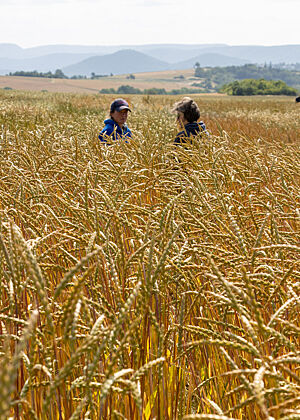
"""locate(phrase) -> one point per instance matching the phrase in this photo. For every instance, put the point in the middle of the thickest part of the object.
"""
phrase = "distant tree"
(107, 90)
(131, 76)
(218, 76)
(78, 76)
(97, 76)
(126, 89)
(249, 87)
(59, 74)
(155, 91)
(184, 91)
(199, 72)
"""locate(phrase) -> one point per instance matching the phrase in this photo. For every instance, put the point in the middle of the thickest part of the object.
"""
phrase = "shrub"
(249, 87)
(126, 89)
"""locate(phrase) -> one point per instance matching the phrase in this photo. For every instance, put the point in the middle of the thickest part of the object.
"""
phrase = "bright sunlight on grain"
(142, 282)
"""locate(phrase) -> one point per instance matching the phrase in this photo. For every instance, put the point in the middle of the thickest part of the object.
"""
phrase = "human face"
(120, 117)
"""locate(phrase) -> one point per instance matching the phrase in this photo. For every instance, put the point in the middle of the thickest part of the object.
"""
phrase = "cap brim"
(120, 108)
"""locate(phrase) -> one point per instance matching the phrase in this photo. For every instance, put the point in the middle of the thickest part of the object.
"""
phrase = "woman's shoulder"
(109, 122)
(109, 125)
(195, 128)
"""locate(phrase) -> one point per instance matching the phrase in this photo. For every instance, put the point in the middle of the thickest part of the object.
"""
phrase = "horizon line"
(148, 44)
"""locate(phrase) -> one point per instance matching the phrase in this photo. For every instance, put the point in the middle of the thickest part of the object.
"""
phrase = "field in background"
(140, 281)
(163, 79)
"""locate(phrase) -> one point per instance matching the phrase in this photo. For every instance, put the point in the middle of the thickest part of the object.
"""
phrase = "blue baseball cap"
(118, 105)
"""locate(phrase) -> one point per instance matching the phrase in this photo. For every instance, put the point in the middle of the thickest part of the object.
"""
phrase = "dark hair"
(189, 108)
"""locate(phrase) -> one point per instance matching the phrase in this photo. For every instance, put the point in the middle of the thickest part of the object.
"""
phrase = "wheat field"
(159, 79)
(139, 281)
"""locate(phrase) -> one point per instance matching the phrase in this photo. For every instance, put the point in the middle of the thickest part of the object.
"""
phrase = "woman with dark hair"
(188, 115)
(115, 126)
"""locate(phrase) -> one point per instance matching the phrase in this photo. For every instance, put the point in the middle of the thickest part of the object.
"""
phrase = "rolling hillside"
(116, 59)
(44, 63)
(210, 60)
(124, 61)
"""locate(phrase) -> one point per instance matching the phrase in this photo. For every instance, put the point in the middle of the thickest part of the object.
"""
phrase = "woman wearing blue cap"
(115, 126)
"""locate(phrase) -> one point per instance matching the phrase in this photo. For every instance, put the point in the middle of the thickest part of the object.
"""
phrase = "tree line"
(219, 76)
(248, 87)
(58, 74)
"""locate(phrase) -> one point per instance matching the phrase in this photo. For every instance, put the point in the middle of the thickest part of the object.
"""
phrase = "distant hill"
(156, 57)
(44, 50)
(161, 50)
(14, 51)
(261, 54)
(174, 53)
(124, 61)
(44, 63)
(10, 51)
(209, 60)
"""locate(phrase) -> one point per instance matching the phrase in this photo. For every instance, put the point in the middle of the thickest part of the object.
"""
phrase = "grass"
(141, 282)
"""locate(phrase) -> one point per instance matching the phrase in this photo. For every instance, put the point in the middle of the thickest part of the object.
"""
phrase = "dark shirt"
(190, 130)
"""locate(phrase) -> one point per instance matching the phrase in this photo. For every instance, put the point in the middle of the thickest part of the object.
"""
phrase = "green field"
(143, 281)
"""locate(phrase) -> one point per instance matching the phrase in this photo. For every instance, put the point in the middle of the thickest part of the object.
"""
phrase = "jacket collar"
(110, 121)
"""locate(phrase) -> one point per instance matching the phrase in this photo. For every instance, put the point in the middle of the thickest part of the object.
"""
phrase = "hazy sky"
(30, 23)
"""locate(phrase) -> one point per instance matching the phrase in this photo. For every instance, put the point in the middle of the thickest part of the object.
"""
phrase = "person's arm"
(106, 132)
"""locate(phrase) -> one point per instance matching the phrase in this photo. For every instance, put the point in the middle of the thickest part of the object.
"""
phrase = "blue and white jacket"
(114, 131)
